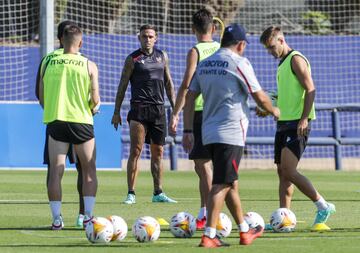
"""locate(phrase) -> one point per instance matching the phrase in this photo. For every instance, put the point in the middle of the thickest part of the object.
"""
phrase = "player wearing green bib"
(69, 94)
(71, 155)
(203, 28)
(296, 95)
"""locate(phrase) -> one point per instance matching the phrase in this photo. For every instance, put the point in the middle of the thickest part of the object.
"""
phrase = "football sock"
(243, 227)
(157, 192)
(202, 213)
(321, 204)
(89, 203)
(131, 192)
(210, 232)
(55, 207)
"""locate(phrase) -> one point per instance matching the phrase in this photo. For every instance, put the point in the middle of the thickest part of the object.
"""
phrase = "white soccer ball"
(119, 226)
(283, 220)
(99, 230)
(223, 225)
(146, 229)
(254, 219)
(183, 225)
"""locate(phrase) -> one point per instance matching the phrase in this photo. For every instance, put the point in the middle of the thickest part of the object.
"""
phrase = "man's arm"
(189, 108)
(263, 101)
(169, 85)
(38, 77)
(94, 93)
(40, 90)
(123, 84)
(191, 62)
(300, 67)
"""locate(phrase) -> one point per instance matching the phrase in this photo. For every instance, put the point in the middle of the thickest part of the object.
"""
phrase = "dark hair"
(61, 27)
(146, 27)
(228, 43)
(71, 33)
(202, 20)
(269, 33)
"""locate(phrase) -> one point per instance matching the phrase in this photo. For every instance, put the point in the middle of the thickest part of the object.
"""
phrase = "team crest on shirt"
(158, 59)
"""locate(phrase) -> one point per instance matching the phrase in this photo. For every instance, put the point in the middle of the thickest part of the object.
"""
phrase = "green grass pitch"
(25, 214)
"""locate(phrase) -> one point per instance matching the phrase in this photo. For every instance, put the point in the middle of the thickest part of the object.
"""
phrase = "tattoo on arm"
(123, 84)
(169, 85)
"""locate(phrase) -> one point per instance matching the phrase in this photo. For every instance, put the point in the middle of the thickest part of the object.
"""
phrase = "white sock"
(89, 203)
(321, 204)
(202, 213)
(210, 232)
(243, 227)
(55, 207)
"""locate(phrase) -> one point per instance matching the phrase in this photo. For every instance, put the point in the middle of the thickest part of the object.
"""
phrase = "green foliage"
(317, 22)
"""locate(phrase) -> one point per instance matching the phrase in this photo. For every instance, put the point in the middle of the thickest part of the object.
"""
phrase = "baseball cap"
(234, 32)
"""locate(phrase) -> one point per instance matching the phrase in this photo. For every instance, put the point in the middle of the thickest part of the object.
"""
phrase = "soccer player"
(296, 95)
(148, 71)
(203, 28)
(225, 81)
(69, 94)
(70, 154)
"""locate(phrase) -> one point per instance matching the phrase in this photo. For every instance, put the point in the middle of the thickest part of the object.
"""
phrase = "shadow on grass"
(45, 228)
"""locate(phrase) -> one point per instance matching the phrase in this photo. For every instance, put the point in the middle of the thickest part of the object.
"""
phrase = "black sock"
(157, 192)
(131, 192)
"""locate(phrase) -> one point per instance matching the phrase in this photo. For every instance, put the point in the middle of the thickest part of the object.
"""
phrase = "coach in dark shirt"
(147, 69)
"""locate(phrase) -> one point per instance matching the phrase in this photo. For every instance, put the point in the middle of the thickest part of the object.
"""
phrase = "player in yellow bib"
(296, 95)
(71, 154)
(203, 28)
(69, 94)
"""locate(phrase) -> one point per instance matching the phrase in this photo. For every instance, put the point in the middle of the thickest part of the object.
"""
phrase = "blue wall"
(335, 62)
(22, 136)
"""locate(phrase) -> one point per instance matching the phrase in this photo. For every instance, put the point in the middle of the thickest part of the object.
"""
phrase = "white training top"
(225, 80)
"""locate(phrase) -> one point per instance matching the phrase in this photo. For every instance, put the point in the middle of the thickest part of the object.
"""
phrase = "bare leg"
(288, 169)
(215, 203)
(234, 204)
(286, 189)
(80, 185)
(137, 138)
(204, 171)
(87, 156)
(57, 155)
(157, 152)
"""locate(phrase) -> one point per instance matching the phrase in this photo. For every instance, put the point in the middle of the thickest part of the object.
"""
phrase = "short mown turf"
(25, 215)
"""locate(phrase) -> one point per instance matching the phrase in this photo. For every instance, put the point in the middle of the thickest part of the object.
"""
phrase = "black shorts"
(226, 160)
(71, 154)
(199, 151)
(286, 136)
(153, 118)
(74, 133)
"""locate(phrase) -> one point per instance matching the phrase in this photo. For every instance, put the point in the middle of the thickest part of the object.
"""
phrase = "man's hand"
(174, 120)
(96, 109)
(302, 128)
(116, 120)
(261, 113)
(188, 142)
(276, 113)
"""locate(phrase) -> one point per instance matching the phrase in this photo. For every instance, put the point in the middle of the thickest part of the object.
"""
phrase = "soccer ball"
(99, 230)
(254, 219)
(146, 229)
(183, 225)
(223, 226)
(119, 226)
(283, 220)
